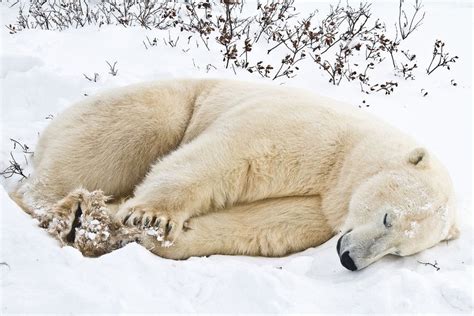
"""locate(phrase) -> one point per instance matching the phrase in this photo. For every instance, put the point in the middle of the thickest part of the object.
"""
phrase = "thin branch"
(435, 265)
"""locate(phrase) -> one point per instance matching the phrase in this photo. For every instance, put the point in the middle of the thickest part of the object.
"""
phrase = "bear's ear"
(418, 157)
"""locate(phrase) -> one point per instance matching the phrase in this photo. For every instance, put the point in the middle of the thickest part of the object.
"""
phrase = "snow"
(411, 233)
(42, 73)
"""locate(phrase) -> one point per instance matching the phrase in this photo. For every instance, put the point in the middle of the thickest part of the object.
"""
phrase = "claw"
(126, 218)
(147, 221)
(136, 220)
(168, 228)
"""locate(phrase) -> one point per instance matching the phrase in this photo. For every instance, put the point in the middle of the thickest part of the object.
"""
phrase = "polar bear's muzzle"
(356, 251)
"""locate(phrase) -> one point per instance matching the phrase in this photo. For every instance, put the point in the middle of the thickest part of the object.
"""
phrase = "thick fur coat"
(228, 167)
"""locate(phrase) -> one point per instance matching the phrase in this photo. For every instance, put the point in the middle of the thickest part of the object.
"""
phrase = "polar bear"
(229, 167)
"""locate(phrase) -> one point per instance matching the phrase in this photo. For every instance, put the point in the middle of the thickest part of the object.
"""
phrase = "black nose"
(347, 261)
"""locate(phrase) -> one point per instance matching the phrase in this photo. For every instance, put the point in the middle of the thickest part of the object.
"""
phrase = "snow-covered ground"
(42, 73)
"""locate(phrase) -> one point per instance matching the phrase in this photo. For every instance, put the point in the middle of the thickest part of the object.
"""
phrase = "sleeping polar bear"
(226, 167)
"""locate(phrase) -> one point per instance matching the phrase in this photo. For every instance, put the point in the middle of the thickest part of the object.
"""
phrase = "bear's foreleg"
(273, 228)
(210, 173)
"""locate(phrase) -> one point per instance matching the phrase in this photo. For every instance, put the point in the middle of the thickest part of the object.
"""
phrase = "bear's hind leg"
(95, 233)
(83, 220)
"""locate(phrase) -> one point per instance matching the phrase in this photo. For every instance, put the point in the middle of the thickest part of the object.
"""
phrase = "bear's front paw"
(165, 226)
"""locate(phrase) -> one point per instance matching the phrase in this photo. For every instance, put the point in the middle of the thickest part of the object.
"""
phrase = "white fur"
(252, 169)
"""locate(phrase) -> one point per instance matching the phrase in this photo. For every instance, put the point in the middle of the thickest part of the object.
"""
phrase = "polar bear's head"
(400, 211)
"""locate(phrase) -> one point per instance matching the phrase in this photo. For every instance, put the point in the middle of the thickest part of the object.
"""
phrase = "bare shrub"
(407, 24)
(199, 21)
(272, 17)
(93, 78)
(347, 44)
(112, 68)
(231, 28)
(297, 41)
(440, 58)
(62, 14)
(16, 168)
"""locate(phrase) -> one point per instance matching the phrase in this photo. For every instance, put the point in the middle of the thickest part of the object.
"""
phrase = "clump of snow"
(167, 244)
(398, 212)
(154, 231)
(411, 233)
(444, 217)
(42, 73)
(426, 207)
(94, 222)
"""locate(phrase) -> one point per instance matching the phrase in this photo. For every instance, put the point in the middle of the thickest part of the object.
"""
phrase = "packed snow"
(42, 73)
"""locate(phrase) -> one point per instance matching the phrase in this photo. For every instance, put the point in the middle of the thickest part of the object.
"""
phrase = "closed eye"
(385, 221)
